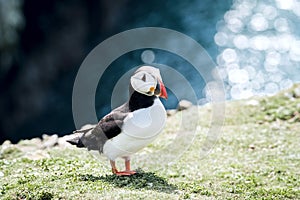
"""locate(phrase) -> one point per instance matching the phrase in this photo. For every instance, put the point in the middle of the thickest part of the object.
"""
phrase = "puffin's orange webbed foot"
(125, 173)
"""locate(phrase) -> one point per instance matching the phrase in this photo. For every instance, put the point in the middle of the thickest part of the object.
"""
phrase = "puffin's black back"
(111, 125)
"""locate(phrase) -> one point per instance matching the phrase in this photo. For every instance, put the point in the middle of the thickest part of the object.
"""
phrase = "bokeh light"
(259, 47)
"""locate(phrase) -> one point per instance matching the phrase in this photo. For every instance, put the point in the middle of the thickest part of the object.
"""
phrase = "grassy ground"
(256, 157)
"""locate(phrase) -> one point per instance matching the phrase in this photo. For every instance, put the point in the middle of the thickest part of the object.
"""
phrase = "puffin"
(131, 126)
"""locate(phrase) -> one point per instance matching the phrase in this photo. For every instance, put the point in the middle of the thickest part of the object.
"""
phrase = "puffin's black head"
(147, 80)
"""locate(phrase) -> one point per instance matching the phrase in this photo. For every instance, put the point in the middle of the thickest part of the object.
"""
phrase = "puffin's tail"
(75, 138)
(76, 141)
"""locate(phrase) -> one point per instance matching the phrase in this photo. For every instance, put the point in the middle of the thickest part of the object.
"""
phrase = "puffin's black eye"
(144, 78)
(157, 89)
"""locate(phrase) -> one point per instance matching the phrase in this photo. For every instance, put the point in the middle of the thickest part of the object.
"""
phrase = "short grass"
(257, 156)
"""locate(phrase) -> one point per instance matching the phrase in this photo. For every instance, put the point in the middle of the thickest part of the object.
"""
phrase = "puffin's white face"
(144, 82)
(147, 80)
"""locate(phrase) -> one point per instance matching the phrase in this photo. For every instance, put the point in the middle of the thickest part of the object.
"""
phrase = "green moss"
(34, 195)
(256, 157)
(140, 180)
(284, 106)
(10, 152)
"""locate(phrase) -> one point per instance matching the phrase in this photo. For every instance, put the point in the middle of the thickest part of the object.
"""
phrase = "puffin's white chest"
(139, 129)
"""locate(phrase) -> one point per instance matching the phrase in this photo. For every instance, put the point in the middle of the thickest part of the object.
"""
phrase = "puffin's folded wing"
(107, 128)
(94, 139)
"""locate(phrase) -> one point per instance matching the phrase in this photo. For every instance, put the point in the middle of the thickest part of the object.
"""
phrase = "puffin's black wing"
(108, 127)
(112, 123)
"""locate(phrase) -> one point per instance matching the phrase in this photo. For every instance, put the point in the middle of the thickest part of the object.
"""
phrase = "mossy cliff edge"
(257, 156)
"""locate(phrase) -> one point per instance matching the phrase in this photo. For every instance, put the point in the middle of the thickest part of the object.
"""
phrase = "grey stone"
(297, 92)
(184, 104)
(171, 112)
(49, 141)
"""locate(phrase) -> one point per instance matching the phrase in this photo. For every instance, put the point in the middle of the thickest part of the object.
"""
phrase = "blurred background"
(43, 43)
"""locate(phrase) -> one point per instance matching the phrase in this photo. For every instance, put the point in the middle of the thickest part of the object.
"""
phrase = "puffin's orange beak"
(163, 91)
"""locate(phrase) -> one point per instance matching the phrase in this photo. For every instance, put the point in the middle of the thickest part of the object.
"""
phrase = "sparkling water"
(259, 44)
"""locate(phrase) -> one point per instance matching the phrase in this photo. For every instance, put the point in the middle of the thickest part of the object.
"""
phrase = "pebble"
(6, 144)
(171, 112)
(49, 141)
(36, 155)
(252, 102)
(297, 92)
(184, 105)
(62, 141)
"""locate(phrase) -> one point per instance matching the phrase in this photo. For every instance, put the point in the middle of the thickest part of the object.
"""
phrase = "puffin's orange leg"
(127, 172)
(127, 167)
(113, 167)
